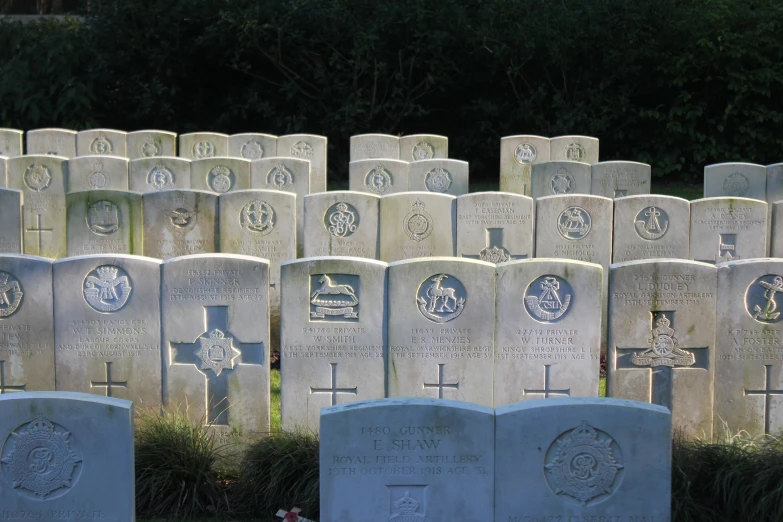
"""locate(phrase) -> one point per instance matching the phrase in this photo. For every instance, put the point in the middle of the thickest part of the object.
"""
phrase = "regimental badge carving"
(441, 298)
(575, 152)
(495, 254)
(203, 149)
(107, 288)
(181, 218)
(103, 218)
(736, 184)
(562, 182)
(280, 178)
(97, 179)
(584, 465)
(547, 298)
(663, 350)
(418, 222)
(727, 248)
(220, 179)
(574, 223)
(525, 154)
(379, 180)
(252, 150)
(101, 145)
(302, 150)
(160, 177)
(341, 219)
(39, 460)
(407, 504)
(10, 294)
(760, 298)
(150, 148)
(438, 180)
(651, 223)
(37, 177)
(257, 216)
(423, 151)
(216, 351)
(333, 297)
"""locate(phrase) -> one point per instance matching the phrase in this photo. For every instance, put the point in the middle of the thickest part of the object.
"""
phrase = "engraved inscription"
(663, 349)
(216, 351)
(37, 177)
(220, 179)
(302, 149)
(562, 182)
(333, 297)
(417, 224)
(547, 298)
(651, 223)
(258, 217)
(441, 298)
(525, 154)
(103, 218)
(760, 298)
(574, 223)
(423, 151)
(341, 219)
(280, 178)
(252, 150)
(107, 288)
(150, 148)
(203, 149)
(736, 185)
(575, 152)
(408, 503)
(10, 294)
(379, 180)
(101, 145)
(97, 179)
(438, 180)
(160, 177)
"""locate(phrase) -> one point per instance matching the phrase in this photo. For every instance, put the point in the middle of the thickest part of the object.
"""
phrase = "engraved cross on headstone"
(440, 384)
(727, 249)
(6, 388)
(620, 193)
(108, 383)
(494, 251)
(38, 231)
(547, 391)
(333, 389)
(768, 393)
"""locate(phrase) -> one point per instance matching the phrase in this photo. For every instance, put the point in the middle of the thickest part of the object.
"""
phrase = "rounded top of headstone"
(523, 136)
(216, 257)
(66, 396)
(51, 129)
(664, 261)
(749, 201)
(417, 194)
(27, 257)
(753, 261)
(549, 261)
(733, 164)
(620, 162)
(408, 402)
(150, 131)
(585, 197)
(107, 258)
(440, 260)
(643, 197)
(200, 133)
(335, 259)
(581, 402)
(253, 135)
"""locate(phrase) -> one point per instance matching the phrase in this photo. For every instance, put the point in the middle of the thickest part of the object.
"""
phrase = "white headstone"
(180, 222)
(151, 144)
(201, 145)
(558, 178)
(379, 177)
(252, 146)
(651, 226)
(3, 171)
(160, 173)
(102, 142)
(443, 176)
(51, 142)
(11, 218)
(574, 148)
(617, 179)
(374, 146)
(735, 180)
(97, 172)
(104, 222)
(417, 147)
(417, 224)
(494, 226)
(11, 142)
(341, 223)
(308, 147)
(776, 242)
(220, 174)
(774, 183)
(725, 229)
(517, 155)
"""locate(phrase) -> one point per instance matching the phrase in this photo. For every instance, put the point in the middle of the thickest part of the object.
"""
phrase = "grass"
(274, 401)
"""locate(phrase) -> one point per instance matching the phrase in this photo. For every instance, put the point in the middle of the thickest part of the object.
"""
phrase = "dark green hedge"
(677, 83)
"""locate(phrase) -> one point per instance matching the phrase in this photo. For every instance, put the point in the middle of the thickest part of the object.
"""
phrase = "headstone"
(558, 178)
(776, 246)
(407, 460)
(574, 148)
(201, 145)
(726, 229)
(379, 177)
(151, 144)
(617, 179)
(583, 460)
(417, 147)
(216, 342)
(308, 147)
(651, 226)
(517, 155)
(26, 324)
(341, 223)
(735, 180)
(107, 326)
(179, 223)
(494, 226)
(375, 146)
(252, 146)
(102, 142)
(3, 171)
(774, 183)
(220, 174)
(11, 142)
(443, 176)
(104, 222)
(43, 180)
(333, 331)
(160, 173)
(97, 172)
(417, 224)
(11, 217)
(548, 330)
(51, 142)
(441, 329)
(66, 456)
(661, 340)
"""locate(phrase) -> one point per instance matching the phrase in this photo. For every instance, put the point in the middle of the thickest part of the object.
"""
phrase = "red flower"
(291, 517)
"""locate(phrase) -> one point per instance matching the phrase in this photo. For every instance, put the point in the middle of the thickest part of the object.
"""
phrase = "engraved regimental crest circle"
(107, 288)
(548, 298)
(252, 150)
(220, 179)
(150, 148)
(441, 298)
(257, 216)
(101, 145)
(761, 298)
(302, 150)
(736, 184)
(103, 218)
(422, 151)
(575, 152)
(37, 177)
(341, 219)
(651, 223)
(280, 178)
(379, 180)
(438, 180)
(216, 351)
(203, 149)
(181, 217)
(574, 223)
(584, 465)
(334, 297)
(41, 460)
(10, 294)
(160, 178)
(525, 154)
(97, 179)
(562, 182)
(418, 222)
(663, 350)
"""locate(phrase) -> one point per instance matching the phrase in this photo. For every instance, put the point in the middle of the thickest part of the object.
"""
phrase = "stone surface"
(774, 183)
(3, 171)
(11, 218)
(200, 145)
(216, 342)
(341, 223)
(308, 147)
(160, 173)
(107, 327)
(97, 172)
(557, 178)
(51, 142)
(11, 142)
(26, 324)
(517, 155)
(151, 144)
(407, 460)
(548, 330)
(583, 460)
(725, 229)
(617, 179)
(441, 328)
(66, 456)
(252, 146)
(102, 142)
(661, 338)
(417, 147)
(650, 226)
(735, 180)
(444, 176)
(776, 243)
(180, 222)
(374, 146)
(104, 222)
(333, 331)
(574, 148)
(494, 226)
(43, 180)
(379, 177)
(220, 174)
(417, 224)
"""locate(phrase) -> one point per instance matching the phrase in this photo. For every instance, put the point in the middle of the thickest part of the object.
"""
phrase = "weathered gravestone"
(11, 142)
(341, 223)
(51, 142)
(11, 217)
(550, 345)
(575, 227)
(494, 226)
(220, 174)
(776, 240)
(333, 331)
(651, 226)
(559, 178)
(180, 222)
(252, 146)
(66, 456)
(774, 183)
(3, 171)
(406, 460)
(661, 340)
(104, 222)
(102, 142)
(583, 460)
(417, 147)
(617, 179)
(417, 224)
(107, 326)
(216, 342)
(307, 147)
(444, 176)
(200, 145)
(574, 148)
(159, 173)
(379, 176)
(42, 180)
(97, 172)
(725, 229)
(517, 155)
(441, 328)
(735, 180)
(374, 146)
(151, 144)
(26, 324)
